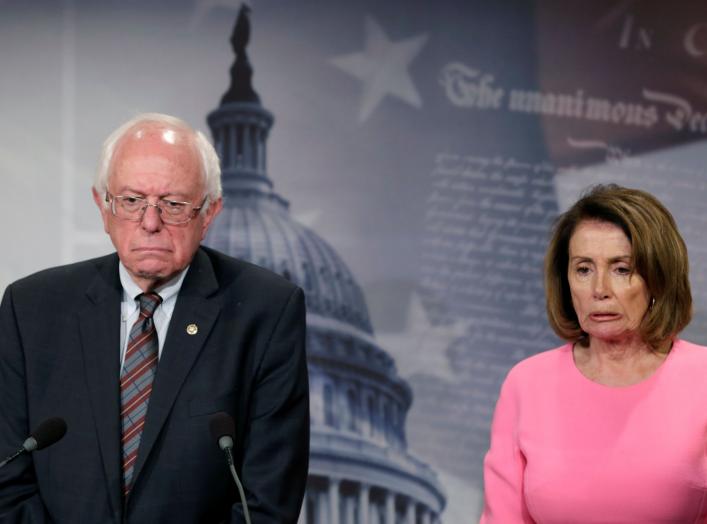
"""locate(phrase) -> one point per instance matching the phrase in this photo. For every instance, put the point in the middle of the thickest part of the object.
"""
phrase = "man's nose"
(151, 220)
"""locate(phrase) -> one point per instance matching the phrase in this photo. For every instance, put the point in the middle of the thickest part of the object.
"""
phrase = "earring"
(652, 303)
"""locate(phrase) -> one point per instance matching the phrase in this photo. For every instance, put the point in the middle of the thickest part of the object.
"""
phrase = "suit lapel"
(100, 343)
(180, 351)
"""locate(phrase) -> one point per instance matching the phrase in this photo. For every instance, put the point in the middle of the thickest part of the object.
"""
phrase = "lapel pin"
(192, 329)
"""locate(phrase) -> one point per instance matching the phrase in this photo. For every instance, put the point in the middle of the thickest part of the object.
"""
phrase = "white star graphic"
(421, 347)
(382, 67)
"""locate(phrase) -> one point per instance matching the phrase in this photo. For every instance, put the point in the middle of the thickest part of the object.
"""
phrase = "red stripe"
(134, 430)
(137, 372)
(129, 460)
(136, 400)
(138, 343)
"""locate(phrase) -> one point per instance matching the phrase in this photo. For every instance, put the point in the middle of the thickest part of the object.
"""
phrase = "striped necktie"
(136, 382)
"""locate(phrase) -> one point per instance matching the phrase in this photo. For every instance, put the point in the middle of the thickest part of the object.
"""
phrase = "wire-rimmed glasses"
(132, 208)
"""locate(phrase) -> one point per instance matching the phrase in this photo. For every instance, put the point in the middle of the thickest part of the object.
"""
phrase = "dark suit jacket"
(59, 356)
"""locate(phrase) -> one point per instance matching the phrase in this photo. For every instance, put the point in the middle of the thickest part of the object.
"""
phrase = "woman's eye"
(582, 270)
(622, 270)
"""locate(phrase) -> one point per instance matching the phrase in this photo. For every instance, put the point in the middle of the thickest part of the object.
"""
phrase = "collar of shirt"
(129, 310)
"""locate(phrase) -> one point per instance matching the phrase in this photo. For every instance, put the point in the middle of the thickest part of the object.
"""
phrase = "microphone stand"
(12, 457)
(232, 467)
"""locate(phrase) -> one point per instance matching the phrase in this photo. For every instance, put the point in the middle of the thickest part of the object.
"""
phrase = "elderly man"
(137, 350)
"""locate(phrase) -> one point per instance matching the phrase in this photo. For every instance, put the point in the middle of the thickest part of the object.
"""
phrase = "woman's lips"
(603, 317)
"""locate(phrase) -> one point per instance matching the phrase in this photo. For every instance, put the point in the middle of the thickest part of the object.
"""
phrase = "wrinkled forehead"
(161, 144)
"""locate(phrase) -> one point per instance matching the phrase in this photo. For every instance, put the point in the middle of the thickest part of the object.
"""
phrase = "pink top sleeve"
(504, 466)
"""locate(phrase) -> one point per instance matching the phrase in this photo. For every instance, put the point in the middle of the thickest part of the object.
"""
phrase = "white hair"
(210, 166)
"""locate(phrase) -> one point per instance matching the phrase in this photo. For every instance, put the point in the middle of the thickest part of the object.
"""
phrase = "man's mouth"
(151, 249)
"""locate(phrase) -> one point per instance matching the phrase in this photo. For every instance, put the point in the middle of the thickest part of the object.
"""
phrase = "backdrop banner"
(402, 161)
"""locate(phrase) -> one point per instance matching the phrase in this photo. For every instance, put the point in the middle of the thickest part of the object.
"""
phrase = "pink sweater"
(567, 450)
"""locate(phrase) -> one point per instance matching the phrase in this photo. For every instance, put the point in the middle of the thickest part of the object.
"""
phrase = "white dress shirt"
(130, 309)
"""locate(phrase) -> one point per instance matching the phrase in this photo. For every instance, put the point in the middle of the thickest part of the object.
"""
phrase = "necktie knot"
(148, 303)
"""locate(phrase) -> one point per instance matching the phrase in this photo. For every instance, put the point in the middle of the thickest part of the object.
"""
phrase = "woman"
(612, 426)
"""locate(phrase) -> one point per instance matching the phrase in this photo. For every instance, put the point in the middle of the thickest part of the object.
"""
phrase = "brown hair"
(658, 255)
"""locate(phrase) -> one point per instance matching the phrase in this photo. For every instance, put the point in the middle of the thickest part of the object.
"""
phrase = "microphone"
(223, 430)
(47, 433)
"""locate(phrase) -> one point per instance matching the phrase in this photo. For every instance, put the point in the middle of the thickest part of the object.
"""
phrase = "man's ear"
(102, 207)
(213, 210)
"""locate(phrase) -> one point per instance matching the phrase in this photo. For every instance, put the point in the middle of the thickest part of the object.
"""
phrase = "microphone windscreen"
(222, 425)
(49, 432)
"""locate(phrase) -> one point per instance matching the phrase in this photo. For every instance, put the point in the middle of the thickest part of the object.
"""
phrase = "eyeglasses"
(127, 207)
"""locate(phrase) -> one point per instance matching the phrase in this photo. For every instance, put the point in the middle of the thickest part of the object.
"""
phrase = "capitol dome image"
(360, 471)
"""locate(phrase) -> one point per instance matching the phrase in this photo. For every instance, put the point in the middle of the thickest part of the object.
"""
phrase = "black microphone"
(47, 433)
(223, 430)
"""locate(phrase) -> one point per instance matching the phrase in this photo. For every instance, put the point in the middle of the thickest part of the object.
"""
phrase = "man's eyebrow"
(124, 190)
(175, 195)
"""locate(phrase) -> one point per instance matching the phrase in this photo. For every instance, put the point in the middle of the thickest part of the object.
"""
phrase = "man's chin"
(151, 275)
(154, 274)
